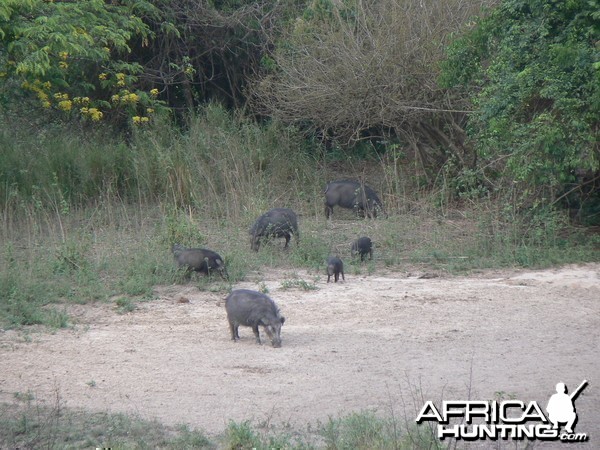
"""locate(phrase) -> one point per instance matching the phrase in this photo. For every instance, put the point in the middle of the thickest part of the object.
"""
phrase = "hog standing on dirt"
(350, 194)
(251, 309)
(335, 266)
(363, 246)
(199, 260)
(277, 222)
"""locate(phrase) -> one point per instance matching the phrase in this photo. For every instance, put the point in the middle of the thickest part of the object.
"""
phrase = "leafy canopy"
(67, 52)
(534, 68)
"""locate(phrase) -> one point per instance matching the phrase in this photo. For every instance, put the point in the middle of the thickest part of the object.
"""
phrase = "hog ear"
(282, 320)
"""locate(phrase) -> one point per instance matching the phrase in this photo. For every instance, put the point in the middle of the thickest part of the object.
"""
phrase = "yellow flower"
(149, 110)
(59, 96)
(65, 105)
(102, 76)
(121, 79)
(95, 114)
(115, 98)
(154, 92)
(132, 98)
(137, 120)
(63, 55)
(46, 104)
(63, 65)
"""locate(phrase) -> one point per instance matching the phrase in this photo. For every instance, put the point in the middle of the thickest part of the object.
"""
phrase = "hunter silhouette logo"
(508, 419)
(561, 409)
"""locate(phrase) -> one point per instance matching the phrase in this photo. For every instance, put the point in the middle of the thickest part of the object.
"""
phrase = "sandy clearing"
(365, 343)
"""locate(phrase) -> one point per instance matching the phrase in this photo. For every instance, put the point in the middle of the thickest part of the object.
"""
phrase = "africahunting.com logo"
(509, 419)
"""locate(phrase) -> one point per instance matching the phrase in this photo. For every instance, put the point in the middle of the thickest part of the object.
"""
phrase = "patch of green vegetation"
(297, 283)
(181, 228)
(313, 250)
(125, 305)
(27, 424)
(241, 435)
(365, 430)
(27, 287)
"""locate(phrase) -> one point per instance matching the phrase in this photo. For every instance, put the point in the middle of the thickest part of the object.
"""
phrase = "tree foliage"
(75, 56)
(211, 50)
(533, 68)
(107, 56)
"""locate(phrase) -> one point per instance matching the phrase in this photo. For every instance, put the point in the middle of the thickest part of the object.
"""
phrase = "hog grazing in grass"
(251, 309)
(352, 195)
(277, 222)
(335, 266)
(199, 260)
(362, 246)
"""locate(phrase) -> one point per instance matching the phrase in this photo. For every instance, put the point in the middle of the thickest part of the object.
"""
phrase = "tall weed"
(224, 166)
(221, 165)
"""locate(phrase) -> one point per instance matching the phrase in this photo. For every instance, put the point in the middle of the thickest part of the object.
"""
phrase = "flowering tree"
(72, 57)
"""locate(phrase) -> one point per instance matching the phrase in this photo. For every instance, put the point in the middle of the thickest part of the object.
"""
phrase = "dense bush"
(532, 68)
(222, 164)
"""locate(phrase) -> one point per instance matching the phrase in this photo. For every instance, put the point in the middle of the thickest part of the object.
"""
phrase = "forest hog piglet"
(352, 195)
(277, 222)
(335, 266)
(251, 309)
(362, 246)
(199, 260)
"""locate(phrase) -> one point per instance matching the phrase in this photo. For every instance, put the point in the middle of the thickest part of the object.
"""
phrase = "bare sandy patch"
(347, 346)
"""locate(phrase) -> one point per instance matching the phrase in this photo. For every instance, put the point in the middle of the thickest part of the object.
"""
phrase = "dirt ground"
(367, 343)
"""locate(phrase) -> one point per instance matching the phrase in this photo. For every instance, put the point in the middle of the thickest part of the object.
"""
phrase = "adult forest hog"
(199, 260)
(350, 194)
(362, 246)
(251, 309)
(335, 266)
(277, 222)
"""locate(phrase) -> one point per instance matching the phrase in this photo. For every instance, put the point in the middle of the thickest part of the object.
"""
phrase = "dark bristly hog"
(352, 195)
(277, 222)
(251, 309)
(199, 260)
(335, 266)
(362, 246)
